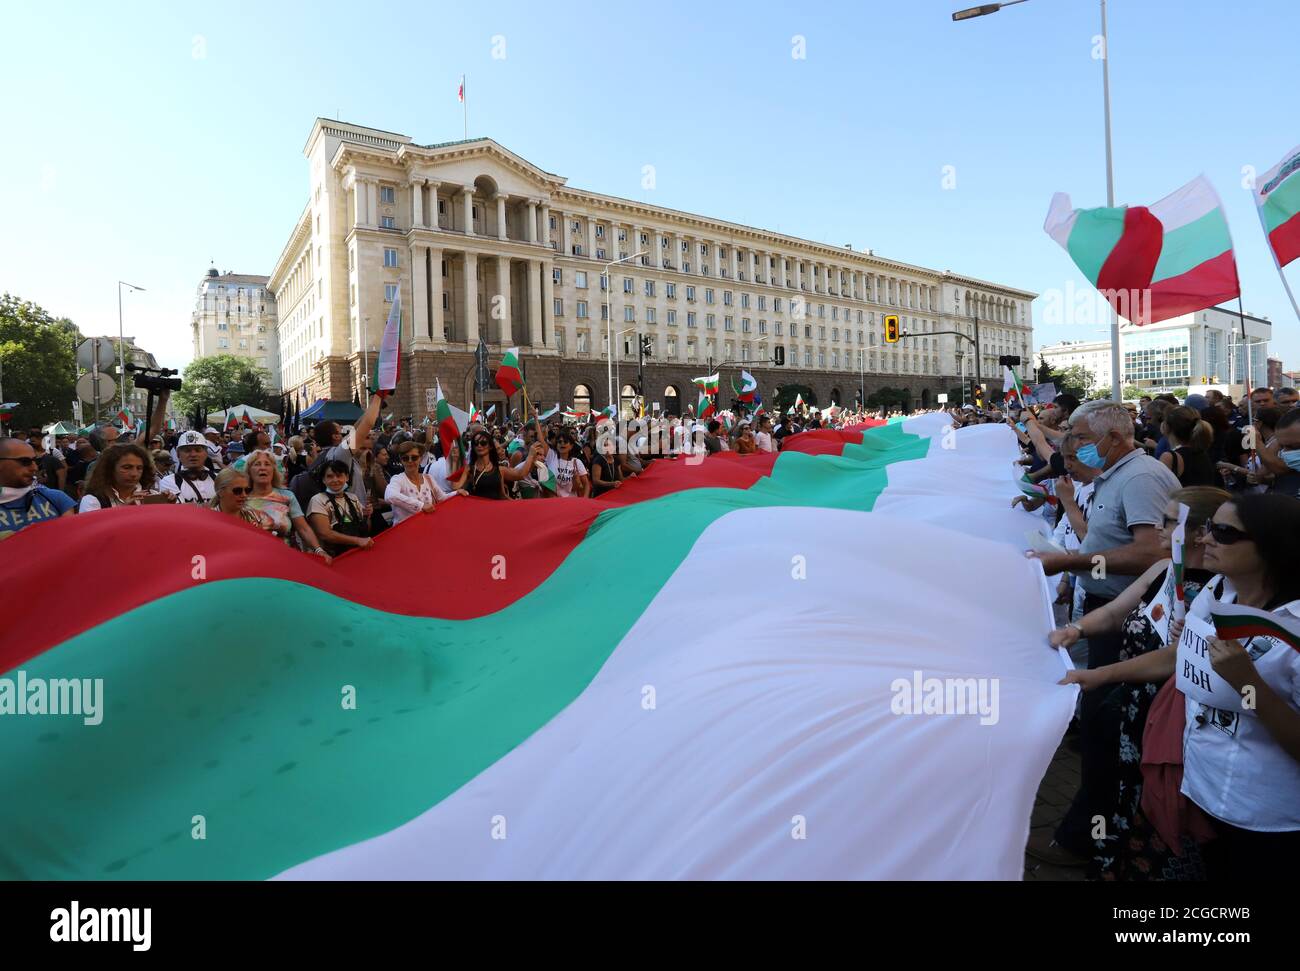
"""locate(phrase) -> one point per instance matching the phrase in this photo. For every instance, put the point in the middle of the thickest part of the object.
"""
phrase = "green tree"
(787, 393)
(221, 380)
(38, 360)
(1076, 380)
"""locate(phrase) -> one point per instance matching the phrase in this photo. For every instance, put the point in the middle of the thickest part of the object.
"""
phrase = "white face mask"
(10, 493)
(337, 492)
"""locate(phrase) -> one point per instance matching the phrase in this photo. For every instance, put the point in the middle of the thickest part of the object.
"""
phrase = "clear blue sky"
(145, 140)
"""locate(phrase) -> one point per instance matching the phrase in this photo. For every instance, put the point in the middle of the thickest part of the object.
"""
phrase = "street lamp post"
(609, 337)
(1116, 378)
(121, 344)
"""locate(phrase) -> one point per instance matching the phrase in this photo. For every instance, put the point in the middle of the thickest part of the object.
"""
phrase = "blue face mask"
(1291, 456)
(1090, 457)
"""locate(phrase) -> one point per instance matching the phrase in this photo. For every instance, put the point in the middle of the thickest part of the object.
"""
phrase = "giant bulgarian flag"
(397, 714)
(1277, 196)
(1152, 263)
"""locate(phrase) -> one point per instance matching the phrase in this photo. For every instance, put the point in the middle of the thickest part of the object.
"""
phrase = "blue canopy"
(340, 411)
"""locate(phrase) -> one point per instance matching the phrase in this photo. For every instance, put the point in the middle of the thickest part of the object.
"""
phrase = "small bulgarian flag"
(572, 415)
(231, 421)
(1234, 621)
(1036, 490)
(545, 477)
(746, 389)
(449, 420)
(549, 414)
(126, 418)
(247, 420)
(1277, 200)
(474, 413)
(708, 385)
(509, 378)
(171, 424)
(492, 410)
(1014, 387)
(7, 410)
(608, 413)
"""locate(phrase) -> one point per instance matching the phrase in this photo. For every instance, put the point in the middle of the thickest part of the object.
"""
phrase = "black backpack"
(311, 482)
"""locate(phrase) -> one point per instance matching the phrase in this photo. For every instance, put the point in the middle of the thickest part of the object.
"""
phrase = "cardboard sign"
(1196, 676)
(430, 399)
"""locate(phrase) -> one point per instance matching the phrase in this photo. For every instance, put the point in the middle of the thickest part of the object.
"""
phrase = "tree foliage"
(215, 382)
(787, 393)
(38, 358)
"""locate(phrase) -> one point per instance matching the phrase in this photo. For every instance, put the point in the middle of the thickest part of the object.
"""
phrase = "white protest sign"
(430, 399)
(1161, 608)
(1196, 677)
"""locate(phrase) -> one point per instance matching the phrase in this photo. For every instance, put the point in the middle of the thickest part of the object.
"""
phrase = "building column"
(734, 262)
(530, 233)
(417, 203)
(358, 203)
(546, 225)
(590, 249)
(467, 192)
(372, 203)
(535, 303)
(501, 216)
(658, 249)
(471, 298)
(419, 294)
(501, 307)
(435, 294)
(548, 302)
(563, 219)
(798, 274)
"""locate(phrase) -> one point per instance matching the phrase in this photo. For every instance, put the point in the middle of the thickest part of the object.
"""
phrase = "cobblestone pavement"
(1054, 795)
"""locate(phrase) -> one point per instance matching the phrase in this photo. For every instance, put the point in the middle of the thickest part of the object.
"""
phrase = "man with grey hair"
(1130, 493)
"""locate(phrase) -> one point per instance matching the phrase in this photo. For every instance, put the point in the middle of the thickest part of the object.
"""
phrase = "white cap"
(210, 431)
(191, 437)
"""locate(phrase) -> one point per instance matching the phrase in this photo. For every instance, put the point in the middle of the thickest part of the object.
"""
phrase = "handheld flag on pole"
(1277, 202)
(1235, 621)
(747, 389)
(509, 378)
(1152, 263)
(450, 423)
(1013, 387)
(388, 365)
(708, 385)
(1178, 542)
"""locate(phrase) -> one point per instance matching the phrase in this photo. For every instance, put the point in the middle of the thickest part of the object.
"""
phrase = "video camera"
(154, 379)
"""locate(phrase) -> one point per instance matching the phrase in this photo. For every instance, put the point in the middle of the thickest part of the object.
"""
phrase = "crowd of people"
(1171, 787)
(330, 488)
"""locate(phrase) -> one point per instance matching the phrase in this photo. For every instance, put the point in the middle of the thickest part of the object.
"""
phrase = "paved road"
(1054, 795)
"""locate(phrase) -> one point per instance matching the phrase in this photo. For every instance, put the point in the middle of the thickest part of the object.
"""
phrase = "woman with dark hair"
(413, 492)
(1221, 430)
(339, 519)
(1142, 612)
(374, 466)
(485, 476)
(569, 470)
(1190, 438)
(123, 476)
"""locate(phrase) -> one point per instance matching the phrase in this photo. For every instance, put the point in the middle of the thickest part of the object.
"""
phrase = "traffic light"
(778, 355)
(891, 329)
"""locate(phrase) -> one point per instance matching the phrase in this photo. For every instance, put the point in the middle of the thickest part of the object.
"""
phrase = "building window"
(670, 290)
(557, 276)
(728, 324)
(726, 298)
(580, 279)
(650, 315)
(387, 222)
(672, 318)
(600, 232)
(744, 301)
(776, 305)
(390, 257)
(582, 342)
(690, 318)
(649, 288)
(690, 294)
(386, 196)
(708, 295)
(604, 311)
(762, 326)
(629, 285)
(582, 309)
(223, 342)
(559, 307)
(629, 314)
(390, 292)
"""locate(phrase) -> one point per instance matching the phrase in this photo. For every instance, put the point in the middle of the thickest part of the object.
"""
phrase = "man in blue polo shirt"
(22, 502)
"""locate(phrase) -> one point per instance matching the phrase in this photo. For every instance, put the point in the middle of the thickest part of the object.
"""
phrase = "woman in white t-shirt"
(123, 476)
(413, 492)
(1242, 766)
(570, 474)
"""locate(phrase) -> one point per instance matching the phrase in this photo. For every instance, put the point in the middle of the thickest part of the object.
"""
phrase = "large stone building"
(234, 313)
(480, 242)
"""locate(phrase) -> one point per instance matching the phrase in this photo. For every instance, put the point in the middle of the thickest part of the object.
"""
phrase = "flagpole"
(1245, 343)
(1259, 211)
(464, 103)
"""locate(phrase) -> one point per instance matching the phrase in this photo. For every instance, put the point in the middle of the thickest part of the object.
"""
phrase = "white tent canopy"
(218, 418)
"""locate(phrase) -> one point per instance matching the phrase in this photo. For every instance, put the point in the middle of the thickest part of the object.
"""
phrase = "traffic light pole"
(974, 342)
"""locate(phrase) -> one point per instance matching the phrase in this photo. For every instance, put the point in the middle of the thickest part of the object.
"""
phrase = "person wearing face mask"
(1281, 456)
(340, 520)
(22, 501)
(192, 483)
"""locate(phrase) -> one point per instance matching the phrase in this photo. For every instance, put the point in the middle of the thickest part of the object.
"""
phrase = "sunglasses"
(1223, 534)
(482, 443)
(411, 457)
(24, 460)
(240, 490)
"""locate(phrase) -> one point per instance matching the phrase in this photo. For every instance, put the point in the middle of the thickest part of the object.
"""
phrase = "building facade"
(481, 243)
(1092, 355)
(234, 313)
(1205, 347)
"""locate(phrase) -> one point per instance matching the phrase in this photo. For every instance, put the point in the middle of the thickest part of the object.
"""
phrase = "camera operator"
(194, 482)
